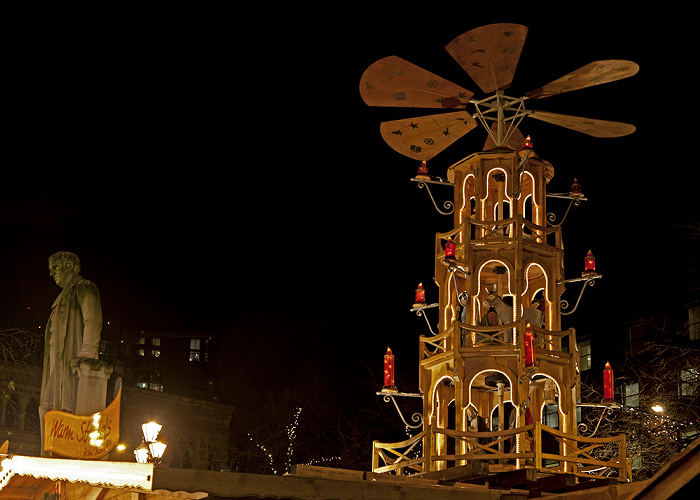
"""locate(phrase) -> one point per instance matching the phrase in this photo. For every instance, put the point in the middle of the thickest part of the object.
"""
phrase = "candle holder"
(418, 309)
(588, 280)
(575, 197)
(607, 408)
(417, 418)
(423, 183)
(588, 276)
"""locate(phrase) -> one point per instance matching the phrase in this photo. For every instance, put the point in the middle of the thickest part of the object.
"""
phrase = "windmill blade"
(421, 138)
(590, 126)
(393, 81)
(490, 54)
(595, 73)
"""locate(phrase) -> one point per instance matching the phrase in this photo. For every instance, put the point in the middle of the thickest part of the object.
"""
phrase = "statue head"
(63, 266)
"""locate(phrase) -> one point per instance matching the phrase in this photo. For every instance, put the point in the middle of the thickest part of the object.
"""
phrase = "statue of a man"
(73, 331)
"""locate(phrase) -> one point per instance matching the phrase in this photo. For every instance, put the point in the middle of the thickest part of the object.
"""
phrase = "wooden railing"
(577, 452)
(514, 228)
(533, 446)
(475, 335)
(439, 344)
(490, 445)
(394, 457)
(499, 336)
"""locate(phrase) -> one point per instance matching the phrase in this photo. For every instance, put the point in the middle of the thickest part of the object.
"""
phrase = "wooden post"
(622, 449)
(375, 456)
(428, 450)
(501, 417)
(538, 446)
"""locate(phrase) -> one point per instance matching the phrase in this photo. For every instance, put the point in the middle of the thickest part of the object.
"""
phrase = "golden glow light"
(141, 453)
(150, 431)
(433, 398)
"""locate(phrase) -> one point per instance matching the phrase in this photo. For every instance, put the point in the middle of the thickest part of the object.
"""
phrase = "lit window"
(689, 380)
(104, 347)
(550, 416)
(585, 353)
(155, 343)
(631, 394)
(195, 353)
(140, 343)
(694, 323)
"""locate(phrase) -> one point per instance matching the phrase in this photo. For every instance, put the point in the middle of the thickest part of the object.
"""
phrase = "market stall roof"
(30, 477)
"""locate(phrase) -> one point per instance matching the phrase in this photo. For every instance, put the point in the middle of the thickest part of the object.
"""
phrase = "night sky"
(218, 172)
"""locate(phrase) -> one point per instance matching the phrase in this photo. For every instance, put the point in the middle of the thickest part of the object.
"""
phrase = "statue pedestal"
(93, 375)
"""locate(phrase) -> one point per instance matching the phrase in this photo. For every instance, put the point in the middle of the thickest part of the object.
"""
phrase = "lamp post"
(150, 450)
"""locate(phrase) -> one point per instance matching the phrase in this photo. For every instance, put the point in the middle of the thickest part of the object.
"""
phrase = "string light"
(265, 452)
(291, 436)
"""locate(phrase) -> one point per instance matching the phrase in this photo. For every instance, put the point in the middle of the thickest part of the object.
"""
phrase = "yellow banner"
(83, 437)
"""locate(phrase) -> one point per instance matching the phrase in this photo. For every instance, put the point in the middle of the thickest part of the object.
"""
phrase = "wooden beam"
(472, 470)
(325, 472)
(555, 482)
(512, 478)
(96, 493)
(18, 493)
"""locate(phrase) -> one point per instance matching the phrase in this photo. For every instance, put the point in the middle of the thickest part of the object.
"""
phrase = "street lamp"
(150, 450)
(657, 408)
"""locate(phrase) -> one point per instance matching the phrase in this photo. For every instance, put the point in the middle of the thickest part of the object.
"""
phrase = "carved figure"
(72, 332)
(477, 423)
(532, 315)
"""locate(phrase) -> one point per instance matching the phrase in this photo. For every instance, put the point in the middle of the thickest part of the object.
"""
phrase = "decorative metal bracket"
(588, 279)
(607, 408)
(576, 199)
(416, 417)
(454, 266)
(423, 183)
(419, 312)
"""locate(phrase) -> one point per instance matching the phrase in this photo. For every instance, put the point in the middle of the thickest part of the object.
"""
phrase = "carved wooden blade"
(595, 73)
(393, 81)
(423, 137)
(590, 126)
(490, 54)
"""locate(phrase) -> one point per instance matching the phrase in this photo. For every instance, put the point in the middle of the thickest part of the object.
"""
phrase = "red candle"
(389, 370)
(528, 143)
(589, 264)
(423, 171)
(608, 385)
(576, 188)
(420, 296)
(529, 341)
(450, 248)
